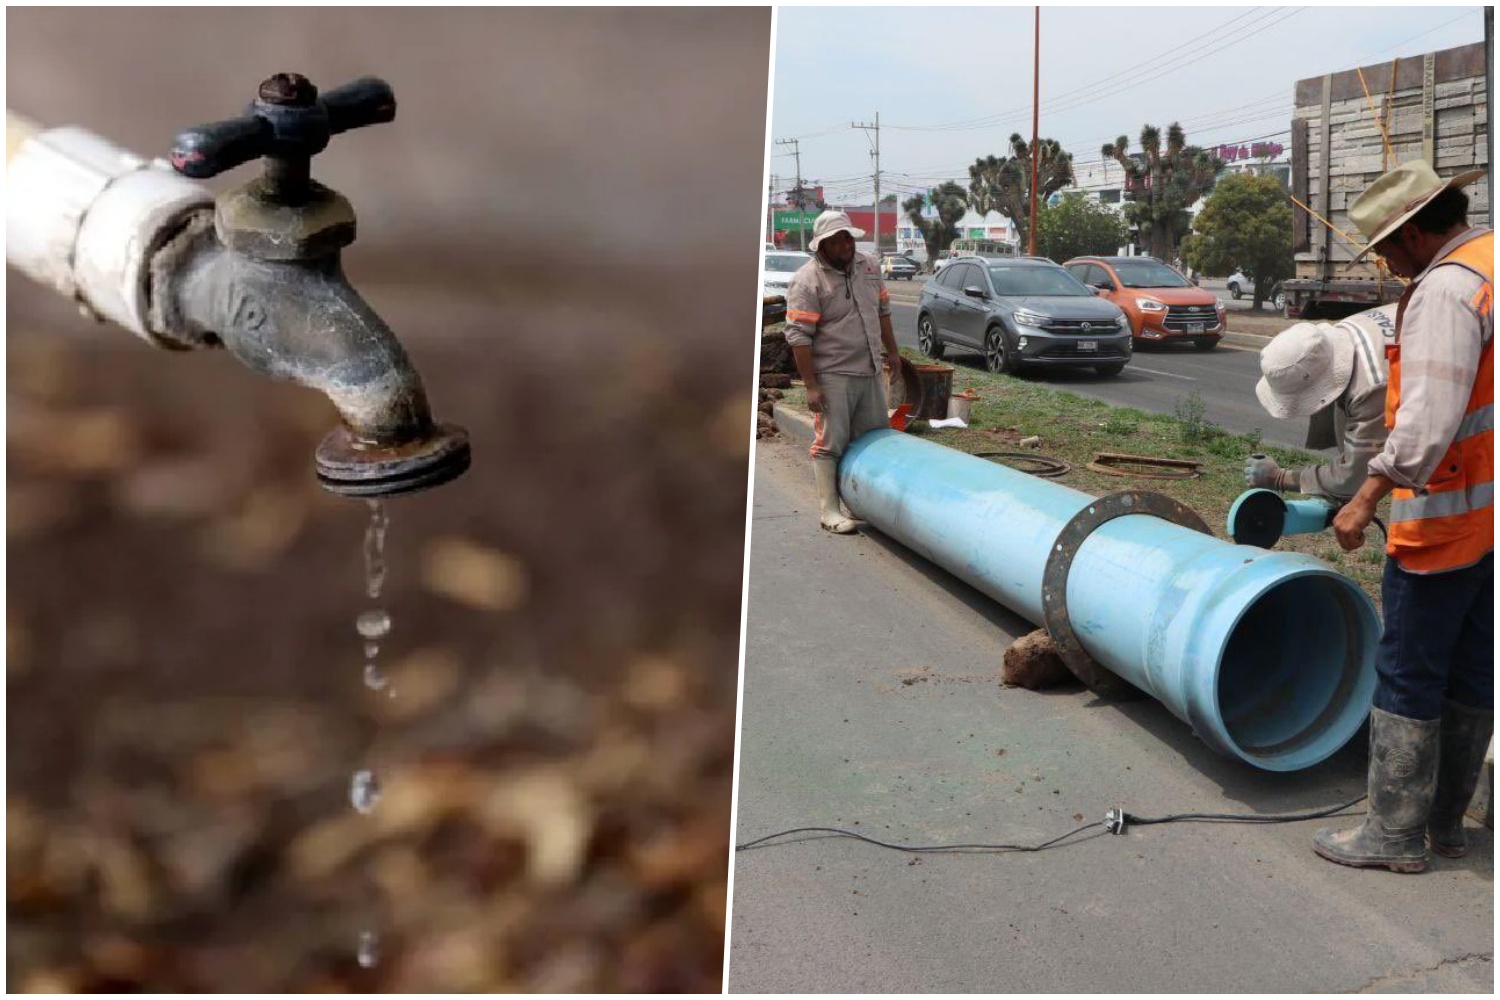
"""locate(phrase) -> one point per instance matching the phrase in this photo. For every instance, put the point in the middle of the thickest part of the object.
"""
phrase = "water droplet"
(364, 791)
(373, 624)
(375, 678)
(375, 549)
(368, 953)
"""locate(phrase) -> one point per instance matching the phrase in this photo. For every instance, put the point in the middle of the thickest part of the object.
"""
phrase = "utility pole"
(1036, 93)
(876, 128)
(771, 210)
(797, 202)
(1489, 105)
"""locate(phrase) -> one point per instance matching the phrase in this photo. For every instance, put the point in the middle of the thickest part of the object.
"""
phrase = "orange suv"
(1162, 305)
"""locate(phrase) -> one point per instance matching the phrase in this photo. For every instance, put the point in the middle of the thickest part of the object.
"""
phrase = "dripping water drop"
(373, 624)
(364, 791)
(368, 953)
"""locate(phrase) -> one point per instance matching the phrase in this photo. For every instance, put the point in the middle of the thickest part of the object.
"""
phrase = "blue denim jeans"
(1439, 640)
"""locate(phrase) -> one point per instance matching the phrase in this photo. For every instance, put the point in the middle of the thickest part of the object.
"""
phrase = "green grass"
(1075, 428)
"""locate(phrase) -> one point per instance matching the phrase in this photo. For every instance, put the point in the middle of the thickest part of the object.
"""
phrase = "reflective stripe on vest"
(1450, 524)
(1425, 505)
(1482, 419)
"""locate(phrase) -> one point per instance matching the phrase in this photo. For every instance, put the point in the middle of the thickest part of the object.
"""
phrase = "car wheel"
(1278, 299)
(1109, 370)
(1206, 343)
(927, 339)
(997, 354)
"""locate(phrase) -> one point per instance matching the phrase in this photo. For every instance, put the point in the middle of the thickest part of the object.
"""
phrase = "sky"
(951, 84)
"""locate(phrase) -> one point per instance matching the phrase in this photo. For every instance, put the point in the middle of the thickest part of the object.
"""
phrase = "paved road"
(1156, 380)
(870, 703)
(1219, 288)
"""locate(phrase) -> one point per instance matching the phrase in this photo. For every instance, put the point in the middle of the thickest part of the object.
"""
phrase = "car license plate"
(1088, 345)
(1195, 328)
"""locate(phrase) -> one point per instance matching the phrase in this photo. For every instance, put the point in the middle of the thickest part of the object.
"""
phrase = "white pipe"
(85, 217)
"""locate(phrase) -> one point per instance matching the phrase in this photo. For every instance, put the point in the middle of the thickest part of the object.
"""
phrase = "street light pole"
(1036, 92)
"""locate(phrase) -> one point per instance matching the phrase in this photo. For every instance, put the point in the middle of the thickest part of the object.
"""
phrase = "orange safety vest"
(1450, 523)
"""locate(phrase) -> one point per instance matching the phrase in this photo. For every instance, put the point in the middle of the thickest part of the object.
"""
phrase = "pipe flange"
(1060, 561)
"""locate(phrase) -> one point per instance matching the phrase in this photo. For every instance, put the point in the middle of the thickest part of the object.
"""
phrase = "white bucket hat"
(1304, 368)
(1398, 195)
(831, 222)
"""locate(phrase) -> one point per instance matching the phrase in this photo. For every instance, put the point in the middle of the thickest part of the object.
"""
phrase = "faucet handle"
(359, 103)
(287, 122)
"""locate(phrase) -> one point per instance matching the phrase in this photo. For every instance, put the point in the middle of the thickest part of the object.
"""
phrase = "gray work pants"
(852, 405)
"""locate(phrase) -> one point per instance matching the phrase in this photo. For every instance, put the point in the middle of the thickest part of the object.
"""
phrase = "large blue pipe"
(1269, 656)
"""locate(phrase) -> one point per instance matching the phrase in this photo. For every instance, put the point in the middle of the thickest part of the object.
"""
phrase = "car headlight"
(1028, 318)
(1220, 304)
(1150, 305)
(1124, 321)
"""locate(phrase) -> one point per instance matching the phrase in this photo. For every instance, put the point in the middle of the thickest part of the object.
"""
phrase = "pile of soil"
(185, 701)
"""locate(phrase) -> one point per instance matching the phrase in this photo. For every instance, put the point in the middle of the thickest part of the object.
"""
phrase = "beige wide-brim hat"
(1304, 368)
(831, 222)
(1397, 196)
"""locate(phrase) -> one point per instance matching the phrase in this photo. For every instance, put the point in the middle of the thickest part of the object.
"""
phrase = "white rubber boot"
(826, 470)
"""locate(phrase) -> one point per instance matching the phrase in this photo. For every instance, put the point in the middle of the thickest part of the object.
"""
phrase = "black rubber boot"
(1402, 782)
(1461, 748)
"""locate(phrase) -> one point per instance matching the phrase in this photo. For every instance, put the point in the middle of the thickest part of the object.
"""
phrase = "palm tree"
(1003, 183)
(1162, 184)
(939, 233)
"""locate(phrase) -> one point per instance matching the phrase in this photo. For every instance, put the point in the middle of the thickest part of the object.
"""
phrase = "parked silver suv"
(1021, 312)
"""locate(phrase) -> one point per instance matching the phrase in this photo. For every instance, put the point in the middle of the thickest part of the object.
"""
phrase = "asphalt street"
(1156, 380)
(871, 702)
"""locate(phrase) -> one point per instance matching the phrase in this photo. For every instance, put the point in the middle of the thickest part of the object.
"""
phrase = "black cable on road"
(1058, 841)
(831, 831)
(1239, 817)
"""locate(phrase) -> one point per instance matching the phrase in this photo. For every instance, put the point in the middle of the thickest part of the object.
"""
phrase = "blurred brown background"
(562, 225)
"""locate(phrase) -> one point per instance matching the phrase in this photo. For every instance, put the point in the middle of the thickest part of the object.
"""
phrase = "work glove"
(1262, 471)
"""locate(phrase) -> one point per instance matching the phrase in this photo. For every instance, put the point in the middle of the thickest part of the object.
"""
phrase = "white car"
(779, 268)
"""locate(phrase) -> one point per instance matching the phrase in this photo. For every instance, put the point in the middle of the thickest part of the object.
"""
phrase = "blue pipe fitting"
(1269, 656)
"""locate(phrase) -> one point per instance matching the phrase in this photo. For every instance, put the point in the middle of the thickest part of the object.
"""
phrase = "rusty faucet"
(256, 270)
(263, 278)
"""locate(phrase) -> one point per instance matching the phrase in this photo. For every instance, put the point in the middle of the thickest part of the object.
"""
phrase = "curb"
(1253, 340)
(793, 423)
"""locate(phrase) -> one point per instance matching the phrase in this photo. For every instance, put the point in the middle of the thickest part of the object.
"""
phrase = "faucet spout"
(300, 320)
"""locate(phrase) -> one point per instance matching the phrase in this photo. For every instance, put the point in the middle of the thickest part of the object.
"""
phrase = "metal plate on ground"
(1060, 561)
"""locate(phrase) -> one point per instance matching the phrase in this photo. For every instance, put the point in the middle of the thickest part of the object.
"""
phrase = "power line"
(987, 120)
(1090, 93)
(1273, 105)
(1264, 23)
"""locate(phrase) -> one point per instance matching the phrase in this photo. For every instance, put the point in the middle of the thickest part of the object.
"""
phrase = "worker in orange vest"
(1434, 702)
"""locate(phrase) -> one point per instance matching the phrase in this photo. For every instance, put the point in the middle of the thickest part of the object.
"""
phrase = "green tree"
(1003, 183)
(1246, 224)
(1163, 184)
(1077, 226)
(951, 204)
